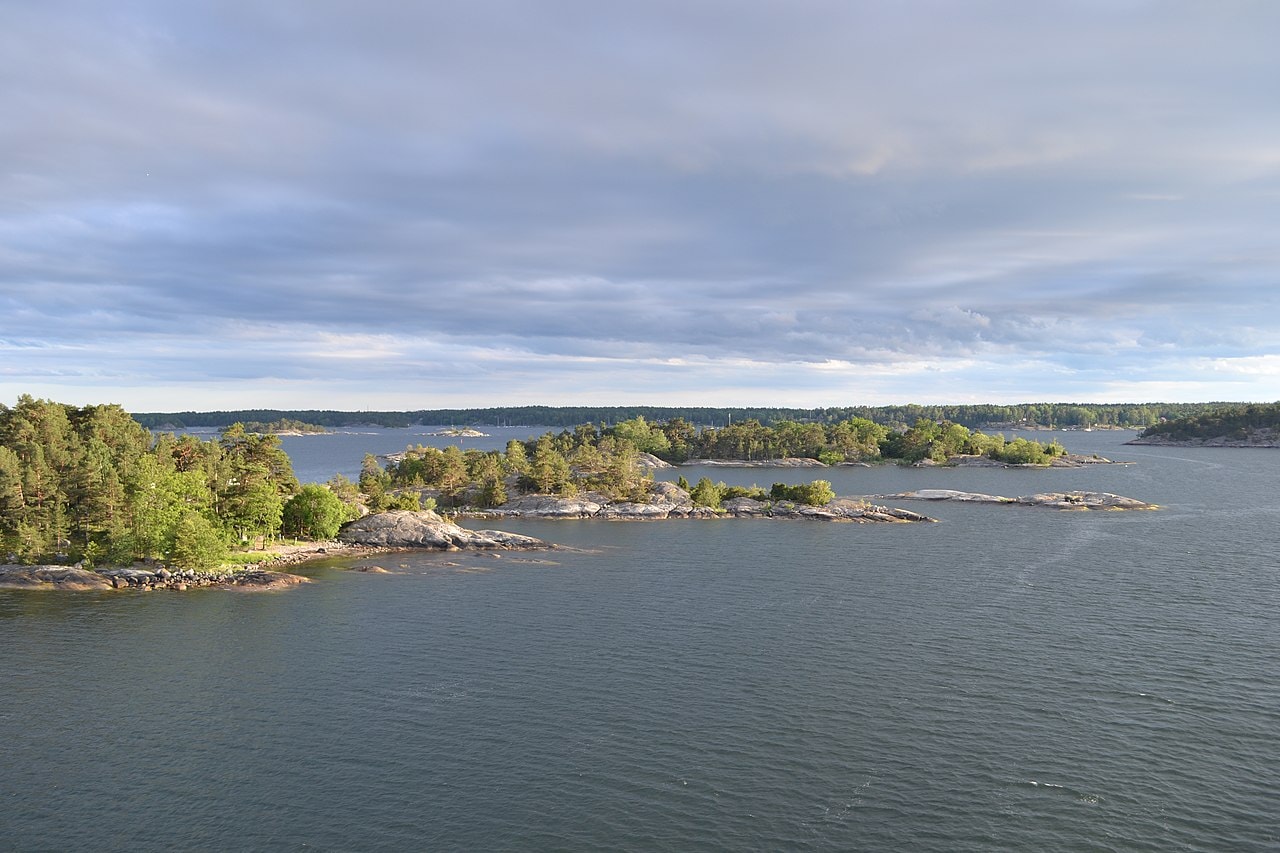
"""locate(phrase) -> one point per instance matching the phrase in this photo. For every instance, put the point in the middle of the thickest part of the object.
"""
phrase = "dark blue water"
(1008, 679)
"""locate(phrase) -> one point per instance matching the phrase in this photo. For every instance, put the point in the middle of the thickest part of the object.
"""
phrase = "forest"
(92, 485)
(973, 416)
(1230, 422)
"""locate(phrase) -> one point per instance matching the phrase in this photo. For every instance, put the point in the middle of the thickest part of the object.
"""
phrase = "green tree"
(197, 543)
(314, 513)
(707, 493)
(374, 482)
(486, 471)
(517, 458)
(644, 436)
(549, 470)
(347, 492)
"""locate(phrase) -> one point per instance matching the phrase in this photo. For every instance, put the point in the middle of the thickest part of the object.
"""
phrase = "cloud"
(562, 198)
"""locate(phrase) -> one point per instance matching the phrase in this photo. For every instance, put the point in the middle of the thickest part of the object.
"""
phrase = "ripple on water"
(1053, 681)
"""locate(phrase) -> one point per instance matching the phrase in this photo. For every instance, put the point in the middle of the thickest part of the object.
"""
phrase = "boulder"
(648, 460)
(746, 507)
(670, 493)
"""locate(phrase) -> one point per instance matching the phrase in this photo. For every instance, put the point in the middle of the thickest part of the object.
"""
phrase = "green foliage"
(1230, 422)
(409, 500)
(283, 425)
(706, 493)
(549, 471)
(1023, 452)
(314, 513)
(817, 493)
(197, 543)
(644, 436)
(755, 493)
(516, 460)
(91, 482)
(374, 482)
(675, 418)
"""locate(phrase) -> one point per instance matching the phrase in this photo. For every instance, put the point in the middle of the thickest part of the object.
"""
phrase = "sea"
(1008, 679)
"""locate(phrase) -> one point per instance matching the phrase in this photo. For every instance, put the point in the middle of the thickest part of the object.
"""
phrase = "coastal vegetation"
(973, 416)
(617, 461)
(1230, 424)
(92, 485)
(283, 426)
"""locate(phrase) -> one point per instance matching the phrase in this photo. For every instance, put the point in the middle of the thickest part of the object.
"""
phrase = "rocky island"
(1052, 500)
(669, 501)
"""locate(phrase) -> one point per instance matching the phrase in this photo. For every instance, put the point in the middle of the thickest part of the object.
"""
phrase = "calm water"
(1009, 679)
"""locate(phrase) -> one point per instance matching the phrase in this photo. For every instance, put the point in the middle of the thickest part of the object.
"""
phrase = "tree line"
(92, 484)
(973, 416)
(607, 459)
(1231, 422)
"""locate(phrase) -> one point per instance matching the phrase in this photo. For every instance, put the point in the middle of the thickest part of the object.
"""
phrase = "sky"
(387, 205)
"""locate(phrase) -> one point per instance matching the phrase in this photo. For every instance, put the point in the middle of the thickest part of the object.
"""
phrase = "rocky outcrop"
(51, 577)
(70, 578)
(550, 506)
(651, 462)
(787, 462)
(1054, 500)
(946, 495)
(669, 501)
(426, 529)
(1085, 500)
(1080, 460)
(1068, 460)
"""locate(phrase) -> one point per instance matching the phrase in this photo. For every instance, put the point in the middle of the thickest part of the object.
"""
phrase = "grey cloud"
(882, 184)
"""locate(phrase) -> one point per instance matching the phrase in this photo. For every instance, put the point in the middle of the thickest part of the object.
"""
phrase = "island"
(1054, 500)
(1231, 426)
(284, 426)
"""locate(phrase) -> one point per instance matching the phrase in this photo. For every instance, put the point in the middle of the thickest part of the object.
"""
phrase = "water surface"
(1008, 679)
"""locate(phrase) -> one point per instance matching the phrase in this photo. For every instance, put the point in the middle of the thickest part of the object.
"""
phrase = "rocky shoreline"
(1257, 438)
(669, 501)
(425, 529)
(400, 530)
(142, 580)
(786, 462)
(1052, 500)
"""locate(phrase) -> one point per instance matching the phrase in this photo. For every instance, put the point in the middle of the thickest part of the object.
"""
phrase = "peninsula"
(1234, 426)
